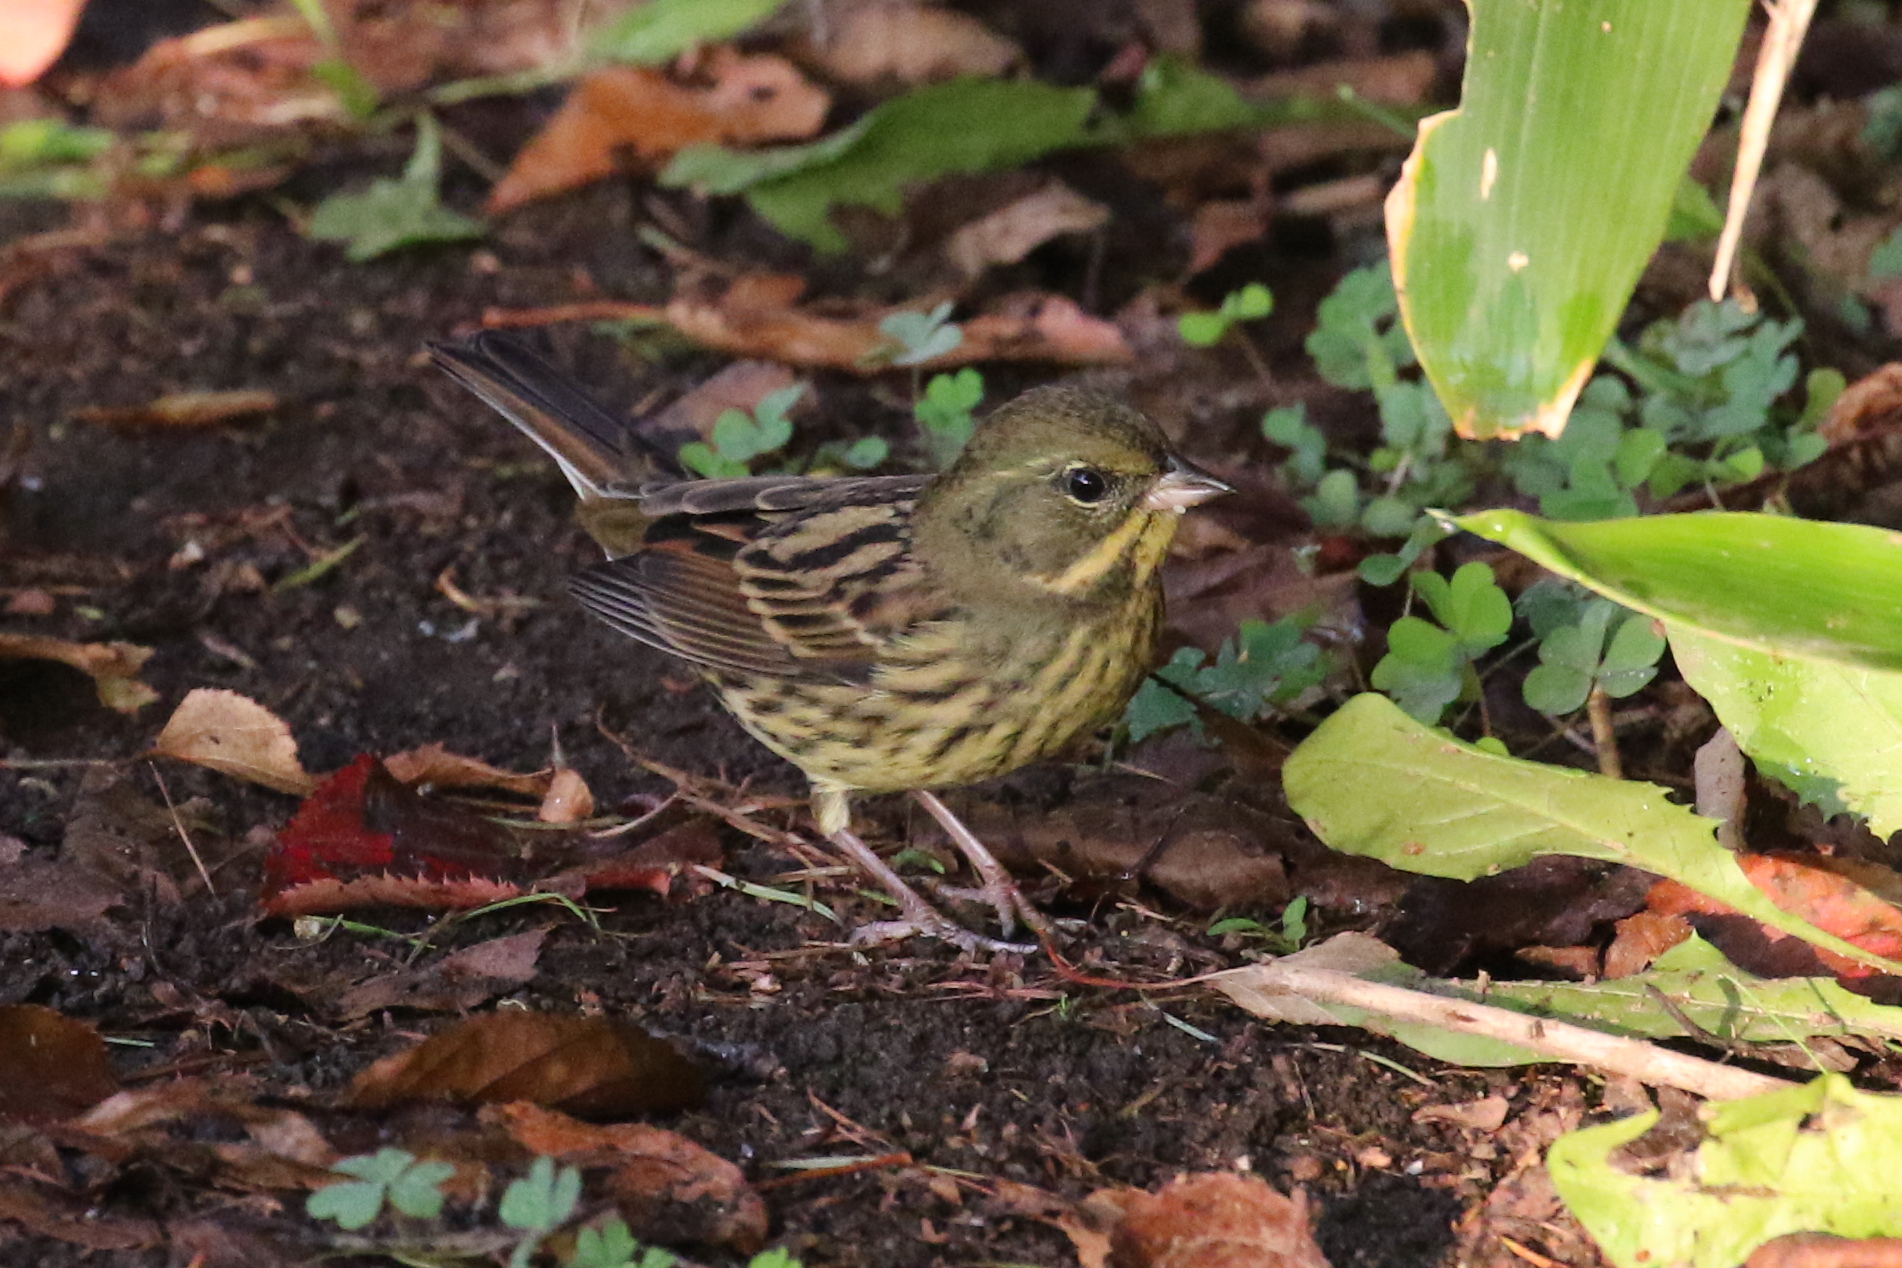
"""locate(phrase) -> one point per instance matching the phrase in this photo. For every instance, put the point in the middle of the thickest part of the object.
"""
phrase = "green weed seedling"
(538, 1204)
(1204, 330)
(1585, 643)
(922, 336)
(738, 438)
(395, 213)
(947, 413)
(1427, 666)
(1262, 667)
(1285, 939)
(390, 1175)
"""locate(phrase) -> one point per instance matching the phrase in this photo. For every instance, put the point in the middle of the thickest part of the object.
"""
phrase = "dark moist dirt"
(1000, 1070)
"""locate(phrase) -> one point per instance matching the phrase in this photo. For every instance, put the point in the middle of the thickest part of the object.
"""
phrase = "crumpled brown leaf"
(912, 43)
(652, 1169)
(113, 667)
(1206, 1220)
(623, 111)
(583, 1065)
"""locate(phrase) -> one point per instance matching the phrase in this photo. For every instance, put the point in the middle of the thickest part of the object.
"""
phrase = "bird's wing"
(745, 584)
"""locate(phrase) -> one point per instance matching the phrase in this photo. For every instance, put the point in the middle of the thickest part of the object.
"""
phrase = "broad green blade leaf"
(1767, 582)
(1823, 1157)
(1372, 781)
(1792, 630)
(1831, 732)
(1521, 220)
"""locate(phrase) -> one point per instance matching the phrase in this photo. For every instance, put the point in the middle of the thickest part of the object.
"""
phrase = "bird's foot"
(920, 917)
(997, 888)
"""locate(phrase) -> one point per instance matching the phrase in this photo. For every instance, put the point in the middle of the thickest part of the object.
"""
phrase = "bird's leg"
(997, 889)
(920, 916)
(831, 809)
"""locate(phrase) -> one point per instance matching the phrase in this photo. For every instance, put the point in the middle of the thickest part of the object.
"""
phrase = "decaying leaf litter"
(233, 456)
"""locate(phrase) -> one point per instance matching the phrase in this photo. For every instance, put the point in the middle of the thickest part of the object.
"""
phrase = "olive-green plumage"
(883, 633)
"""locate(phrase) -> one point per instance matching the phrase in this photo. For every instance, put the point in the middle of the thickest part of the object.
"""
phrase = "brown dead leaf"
(236, 736)
(43, 894)
(913, 43)
(1222, 223)
(183, 409)
(739, 385)
(620, 111)
(1487, 1114)
(456, 983)
(436, 767)
(1012, 232)
(74, 1221)
(113, 667)
(51, 1067)
(567, 800)
(1023, 327)
(1822, 1250)
(1641, 939)
(652, 1169)
(583, 1065)
(1207, 1220)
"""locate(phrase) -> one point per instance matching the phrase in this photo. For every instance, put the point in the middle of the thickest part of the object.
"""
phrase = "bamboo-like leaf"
(1522, 220)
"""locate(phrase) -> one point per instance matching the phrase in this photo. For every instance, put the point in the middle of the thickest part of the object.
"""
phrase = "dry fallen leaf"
(1012, 232)
(1207, 1220)
(51, 1067)
(183, 409)
(236, 736)
(583, 1065)
(435, 766)
(113, 667)
(651, 1167)
(567, 800)
(761, 321)
(913, 43)
(620, 111)
(1487, 1114)
(456, 983)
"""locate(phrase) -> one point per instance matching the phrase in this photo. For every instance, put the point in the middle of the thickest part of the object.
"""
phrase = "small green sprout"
(393, 1175)
(1427, 666)
(395, 213)
(1205, 330)
(538, 1204)
(1263, 666)
(923, 336)
(946, 413)
(738, 437)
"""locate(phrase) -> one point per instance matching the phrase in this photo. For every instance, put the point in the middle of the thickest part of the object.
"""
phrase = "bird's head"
(1063, 492)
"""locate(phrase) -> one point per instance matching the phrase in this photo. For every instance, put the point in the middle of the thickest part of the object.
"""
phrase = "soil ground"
(998, 1070)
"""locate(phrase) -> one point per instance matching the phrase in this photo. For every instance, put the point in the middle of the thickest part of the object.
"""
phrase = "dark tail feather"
(596, 449)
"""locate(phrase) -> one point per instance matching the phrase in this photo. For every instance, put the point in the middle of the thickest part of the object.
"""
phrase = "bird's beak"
(1182, 486)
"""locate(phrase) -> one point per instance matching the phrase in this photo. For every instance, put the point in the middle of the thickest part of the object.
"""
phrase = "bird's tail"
(602, 455)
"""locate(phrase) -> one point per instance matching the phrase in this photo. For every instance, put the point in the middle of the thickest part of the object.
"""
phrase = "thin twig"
(178, 824)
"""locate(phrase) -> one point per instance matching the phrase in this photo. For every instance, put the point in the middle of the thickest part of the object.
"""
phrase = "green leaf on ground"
(395, 213)
(965, 125)
(1372, 781)
(657, 30)
(1791, 629)
(1823, 1157)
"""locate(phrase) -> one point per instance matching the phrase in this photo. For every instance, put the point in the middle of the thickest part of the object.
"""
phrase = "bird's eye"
(1085, 484)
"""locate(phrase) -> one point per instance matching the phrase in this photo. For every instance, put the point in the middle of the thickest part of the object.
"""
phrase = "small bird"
(883, 633)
